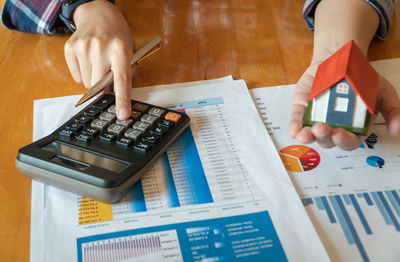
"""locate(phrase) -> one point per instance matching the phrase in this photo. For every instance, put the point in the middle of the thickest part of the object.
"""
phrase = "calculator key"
(104, 102)
(156, 111)
(142, 147)
(90, 131)
(152, 139)
(140, 107)
(125, 123)
(82, 119)
(99, 124)
(91, 112)
(165, 123)
(66, 133)
(74, 127)
(135, 115)
(132, 134)
(141, 126)
(107, 137)
(173, 116)
(160, 131)
(149, 119)
(83, 138)
(125, 141)
(109, 117)
(112, 109)
(115, 129)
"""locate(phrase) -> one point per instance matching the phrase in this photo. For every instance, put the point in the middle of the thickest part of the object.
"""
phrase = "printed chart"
(208, 198)
(249, 237)
(178, 179)
(183, 180)
(352, 197)
(337, 210)
(375, 161)
(150, 247)
(299, 158)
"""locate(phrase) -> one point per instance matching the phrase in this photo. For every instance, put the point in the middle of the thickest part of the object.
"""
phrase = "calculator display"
(67, 154)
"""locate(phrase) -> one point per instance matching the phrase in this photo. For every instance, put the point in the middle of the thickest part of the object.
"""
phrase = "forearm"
(339, 21)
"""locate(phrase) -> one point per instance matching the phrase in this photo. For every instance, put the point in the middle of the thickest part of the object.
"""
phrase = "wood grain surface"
(265, 43)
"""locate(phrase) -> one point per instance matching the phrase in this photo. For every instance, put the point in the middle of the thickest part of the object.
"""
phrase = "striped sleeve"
(384, 8)
(33, 16)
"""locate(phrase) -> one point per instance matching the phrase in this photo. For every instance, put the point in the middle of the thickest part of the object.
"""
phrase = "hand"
(388, 104)
(102, 42)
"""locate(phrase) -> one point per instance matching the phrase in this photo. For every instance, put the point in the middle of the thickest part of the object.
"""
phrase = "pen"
(147, 49)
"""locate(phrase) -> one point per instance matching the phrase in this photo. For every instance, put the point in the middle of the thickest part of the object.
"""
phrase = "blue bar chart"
(182, 176)
(248, 237)
(338, 210)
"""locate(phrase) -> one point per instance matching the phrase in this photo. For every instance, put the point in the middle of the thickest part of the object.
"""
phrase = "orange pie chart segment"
(299, 158)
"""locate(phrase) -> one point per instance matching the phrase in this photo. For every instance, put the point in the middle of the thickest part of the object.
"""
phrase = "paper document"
(220, 193)
(353, 198)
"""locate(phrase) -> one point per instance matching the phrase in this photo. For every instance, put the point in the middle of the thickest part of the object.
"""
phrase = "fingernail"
(123, 113)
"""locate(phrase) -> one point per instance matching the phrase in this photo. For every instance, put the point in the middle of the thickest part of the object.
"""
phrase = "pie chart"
(299, 158)
(375, 161)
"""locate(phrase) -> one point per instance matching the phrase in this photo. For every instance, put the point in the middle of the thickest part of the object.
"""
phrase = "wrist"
(339, 21)
(82, 12)
(68, 10)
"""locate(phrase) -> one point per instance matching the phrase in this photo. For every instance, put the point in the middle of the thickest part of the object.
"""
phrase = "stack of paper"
(227, 197)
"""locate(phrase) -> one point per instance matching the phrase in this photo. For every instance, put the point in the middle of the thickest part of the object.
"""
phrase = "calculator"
(96, 155)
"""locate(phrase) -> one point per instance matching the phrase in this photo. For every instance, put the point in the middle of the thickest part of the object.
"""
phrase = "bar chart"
(202, 167)
(180, 180)
(247, 237)
(356, 214)
(158, 246)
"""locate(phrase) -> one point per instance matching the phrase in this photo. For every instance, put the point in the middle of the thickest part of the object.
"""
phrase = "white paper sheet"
(351, 197)
(242, 205)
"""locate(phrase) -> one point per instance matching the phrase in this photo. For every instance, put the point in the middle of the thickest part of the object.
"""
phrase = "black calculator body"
(96, 155)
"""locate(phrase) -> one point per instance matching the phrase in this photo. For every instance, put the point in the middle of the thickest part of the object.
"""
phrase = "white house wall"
(359, 113)
(320, 107)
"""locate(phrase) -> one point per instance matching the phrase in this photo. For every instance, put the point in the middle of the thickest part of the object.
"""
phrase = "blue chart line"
(172, 195)
(336, 209)
(193, 181)
(136, 197)
(186, 186)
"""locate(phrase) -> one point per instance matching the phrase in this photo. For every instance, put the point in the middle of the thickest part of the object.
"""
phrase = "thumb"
(388, 104)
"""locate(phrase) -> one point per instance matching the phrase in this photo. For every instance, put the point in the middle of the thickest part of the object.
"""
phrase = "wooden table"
(263, 42)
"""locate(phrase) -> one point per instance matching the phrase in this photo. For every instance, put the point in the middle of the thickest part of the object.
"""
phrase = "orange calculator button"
(173, 116)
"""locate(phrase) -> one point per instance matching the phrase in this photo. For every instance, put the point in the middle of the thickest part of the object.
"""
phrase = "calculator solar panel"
(96, 155)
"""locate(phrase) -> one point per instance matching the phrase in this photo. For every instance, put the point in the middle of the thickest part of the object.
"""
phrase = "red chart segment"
(299, 158)
(310, 160)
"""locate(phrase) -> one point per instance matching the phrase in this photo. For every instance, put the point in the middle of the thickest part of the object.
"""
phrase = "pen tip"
(81, 101)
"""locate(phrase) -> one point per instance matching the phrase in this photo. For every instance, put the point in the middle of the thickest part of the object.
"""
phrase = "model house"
(344, 91)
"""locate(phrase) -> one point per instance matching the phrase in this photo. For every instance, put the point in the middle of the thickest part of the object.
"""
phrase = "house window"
(341, 104)
(342, 88)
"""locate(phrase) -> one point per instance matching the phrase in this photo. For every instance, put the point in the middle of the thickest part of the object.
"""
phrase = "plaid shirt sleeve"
(33, 16)
(384, 8)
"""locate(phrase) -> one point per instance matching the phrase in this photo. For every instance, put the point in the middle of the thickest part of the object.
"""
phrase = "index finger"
(121, 67)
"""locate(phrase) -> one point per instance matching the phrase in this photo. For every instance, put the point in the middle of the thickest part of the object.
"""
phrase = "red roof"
(350, 63)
